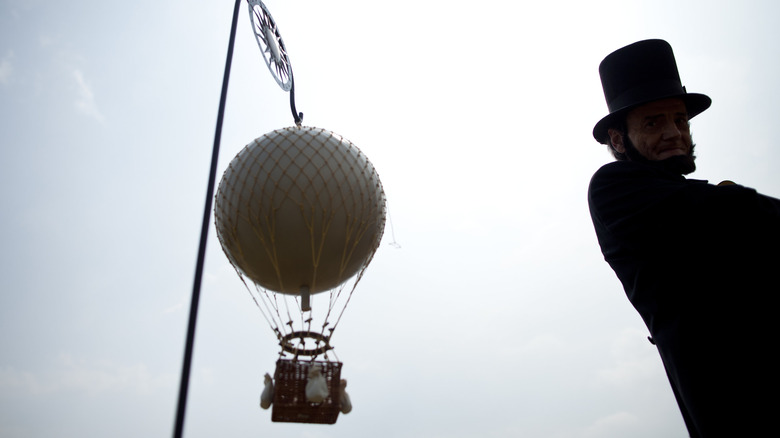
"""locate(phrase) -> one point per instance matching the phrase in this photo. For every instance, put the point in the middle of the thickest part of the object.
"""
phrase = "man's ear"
(616, 139)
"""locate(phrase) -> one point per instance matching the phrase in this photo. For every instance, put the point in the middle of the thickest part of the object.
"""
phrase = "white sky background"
(496, 317)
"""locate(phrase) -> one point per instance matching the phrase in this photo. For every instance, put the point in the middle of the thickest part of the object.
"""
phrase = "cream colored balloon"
(300, 208)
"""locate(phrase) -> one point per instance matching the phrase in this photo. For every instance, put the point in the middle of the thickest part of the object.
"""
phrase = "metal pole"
(185, 373)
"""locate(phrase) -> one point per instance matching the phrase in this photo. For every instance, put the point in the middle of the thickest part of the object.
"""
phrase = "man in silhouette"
(698, 261)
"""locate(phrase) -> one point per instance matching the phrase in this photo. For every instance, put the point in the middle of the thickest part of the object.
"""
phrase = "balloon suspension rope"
(185, 373)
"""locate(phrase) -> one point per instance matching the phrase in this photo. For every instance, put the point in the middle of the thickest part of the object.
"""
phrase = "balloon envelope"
(300, 207)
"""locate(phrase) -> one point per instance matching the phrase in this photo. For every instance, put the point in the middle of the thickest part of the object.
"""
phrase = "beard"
(678, 164)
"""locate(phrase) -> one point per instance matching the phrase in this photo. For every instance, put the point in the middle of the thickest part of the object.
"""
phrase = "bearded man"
(698, 261)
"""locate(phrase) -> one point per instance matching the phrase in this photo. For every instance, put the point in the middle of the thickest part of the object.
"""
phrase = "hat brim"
(695, 104)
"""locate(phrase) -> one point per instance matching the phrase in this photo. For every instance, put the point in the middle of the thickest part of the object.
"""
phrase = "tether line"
(185, 373)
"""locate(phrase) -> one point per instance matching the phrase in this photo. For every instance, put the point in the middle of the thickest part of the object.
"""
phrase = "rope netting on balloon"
(300, 213)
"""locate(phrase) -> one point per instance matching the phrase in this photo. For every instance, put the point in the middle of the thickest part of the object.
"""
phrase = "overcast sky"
(495, 317)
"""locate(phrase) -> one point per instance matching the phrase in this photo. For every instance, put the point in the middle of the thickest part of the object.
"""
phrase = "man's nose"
(671, 130)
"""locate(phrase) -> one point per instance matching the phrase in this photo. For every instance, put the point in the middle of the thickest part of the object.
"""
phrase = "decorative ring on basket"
(287, 345)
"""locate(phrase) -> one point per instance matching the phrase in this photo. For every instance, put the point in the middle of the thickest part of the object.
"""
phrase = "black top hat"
(640, 73)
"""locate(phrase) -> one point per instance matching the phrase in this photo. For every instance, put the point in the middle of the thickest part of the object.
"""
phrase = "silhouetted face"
(658, 130)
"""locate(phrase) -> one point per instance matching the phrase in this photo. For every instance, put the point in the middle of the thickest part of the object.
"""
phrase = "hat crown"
(640, 72)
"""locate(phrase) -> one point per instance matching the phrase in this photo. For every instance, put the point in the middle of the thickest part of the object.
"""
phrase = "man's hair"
(620, 126)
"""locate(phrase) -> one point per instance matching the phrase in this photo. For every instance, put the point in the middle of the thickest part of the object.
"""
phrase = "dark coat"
(700, 264)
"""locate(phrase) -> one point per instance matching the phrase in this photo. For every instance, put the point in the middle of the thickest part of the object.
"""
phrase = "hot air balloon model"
(299, 212)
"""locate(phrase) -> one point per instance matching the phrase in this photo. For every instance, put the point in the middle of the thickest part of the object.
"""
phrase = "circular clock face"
(271, 44)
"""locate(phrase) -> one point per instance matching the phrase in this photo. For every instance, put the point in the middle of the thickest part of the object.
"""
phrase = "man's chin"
(679, 164)
(671, 153)
(682, 164)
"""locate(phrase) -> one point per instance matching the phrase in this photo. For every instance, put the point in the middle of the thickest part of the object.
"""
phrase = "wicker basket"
(290, 403)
